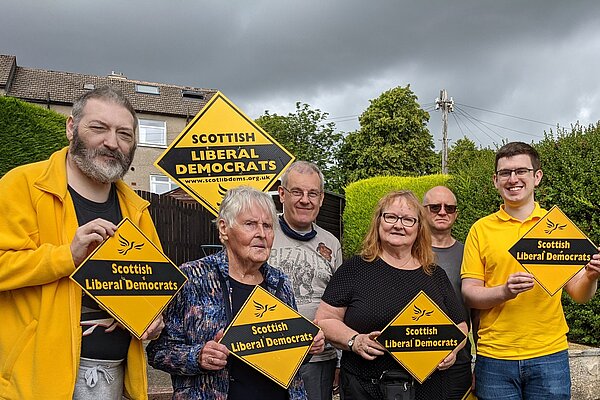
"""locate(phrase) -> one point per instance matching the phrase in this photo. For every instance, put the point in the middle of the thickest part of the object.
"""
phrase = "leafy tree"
(28, 133)
(308, 137)
(393, 139)
(471, 180)
(461, 154)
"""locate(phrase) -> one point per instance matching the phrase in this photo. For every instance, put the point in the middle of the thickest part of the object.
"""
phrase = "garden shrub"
(28, 133)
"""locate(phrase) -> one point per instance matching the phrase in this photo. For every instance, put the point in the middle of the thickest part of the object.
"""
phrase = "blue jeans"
(539, 378)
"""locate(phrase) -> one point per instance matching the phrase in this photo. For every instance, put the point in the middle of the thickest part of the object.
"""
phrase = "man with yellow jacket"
(56, 342)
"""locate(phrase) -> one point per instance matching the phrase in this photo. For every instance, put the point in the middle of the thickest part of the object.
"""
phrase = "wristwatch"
(351, 341)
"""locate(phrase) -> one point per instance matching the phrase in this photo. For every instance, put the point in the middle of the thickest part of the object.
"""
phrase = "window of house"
(149, 89)
(192, 94)
(160, 184)
(153, 132)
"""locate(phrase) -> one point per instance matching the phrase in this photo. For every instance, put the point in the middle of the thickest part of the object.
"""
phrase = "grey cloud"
(533, 59)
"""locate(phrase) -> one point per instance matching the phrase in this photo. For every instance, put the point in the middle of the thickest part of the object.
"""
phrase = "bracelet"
(351, 341)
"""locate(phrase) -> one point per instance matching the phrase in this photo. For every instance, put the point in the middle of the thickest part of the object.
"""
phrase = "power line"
(500, 126)
(473, 122)
(458, 123)
(508, 115)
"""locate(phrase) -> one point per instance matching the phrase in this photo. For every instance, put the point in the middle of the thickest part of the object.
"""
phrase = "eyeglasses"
(436, 208)
(297, 193)
(506, 173)
(405, 221)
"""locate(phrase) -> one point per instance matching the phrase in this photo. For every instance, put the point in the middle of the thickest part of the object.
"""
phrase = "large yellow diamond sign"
(421, 336)
(130, 277)
(222, 148)
(553, 250)
(270, 336)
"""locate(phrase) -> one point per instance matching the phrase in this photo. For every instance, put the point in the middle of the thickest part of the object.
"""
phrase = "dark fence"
(187, 231)
(183, 227)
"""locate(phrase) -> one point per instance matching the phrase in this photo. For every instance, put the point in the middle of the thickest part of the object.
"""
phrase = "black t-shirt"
(246, 383)
(101, 339)
(373, 294)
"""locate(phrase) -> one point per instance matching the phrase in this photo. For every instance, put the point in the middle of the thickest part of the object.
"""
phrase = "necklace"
(402, 265)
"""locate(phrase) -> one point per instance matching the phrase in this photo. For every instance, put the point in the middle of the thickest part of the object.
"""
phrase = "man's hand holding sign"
(127, 275)
(88, 237)
(554, 252)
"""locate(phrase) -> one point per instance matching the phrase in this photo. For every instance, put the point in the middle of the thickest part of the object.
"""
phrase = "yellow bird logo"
(420, 313)
(127, 245)
(261, 309)
(552, 227)
(222, 191)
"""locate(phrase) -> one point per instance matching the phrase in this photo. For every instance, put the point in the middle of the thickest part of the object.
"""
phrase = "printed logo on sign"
(421, 336)
(552, 227)
(420, 313)
(262, 309)
(270, 336)
(127, 245)
(553, 250)
(130, 277)
(222, 148)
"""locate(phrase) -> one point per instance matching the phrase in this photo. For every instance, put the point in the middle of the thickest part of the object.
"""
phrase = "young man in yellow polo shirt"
(522, 347)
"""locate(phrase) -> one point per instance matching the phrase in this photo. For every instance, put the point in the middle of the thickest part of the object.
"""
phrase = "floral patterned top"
(194, 317)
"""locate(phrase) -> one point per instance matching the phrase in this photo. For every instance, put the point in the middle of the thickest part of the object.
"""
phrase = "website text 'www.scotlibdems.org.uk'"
(216, 179)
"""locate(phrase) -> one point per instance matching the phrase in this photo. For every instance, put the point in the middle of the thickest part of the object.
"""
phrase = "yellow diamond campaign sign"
(270, 336)
(222, 148)
(421, 336)
(130, 277)
(553, 250)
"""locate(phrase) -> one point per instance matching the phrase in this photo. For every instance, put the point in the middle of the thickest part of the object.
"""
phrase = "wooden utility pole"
(446, 106)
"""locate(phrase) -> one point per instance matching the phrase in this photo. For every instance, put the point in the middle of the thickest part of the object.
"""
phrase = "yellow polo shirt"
(532, 324)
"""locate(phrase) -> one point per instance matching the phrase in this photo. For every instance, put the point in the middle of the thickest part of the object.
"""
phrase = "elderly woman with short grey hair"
(217, 287)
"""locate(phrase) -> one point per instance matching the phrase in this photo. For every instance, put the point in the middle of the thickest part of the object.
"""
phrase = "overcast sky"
(537, 60)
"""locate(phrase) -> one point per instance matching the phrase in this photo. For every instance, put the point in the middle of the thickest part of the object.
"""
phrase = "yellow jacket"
(40, 307)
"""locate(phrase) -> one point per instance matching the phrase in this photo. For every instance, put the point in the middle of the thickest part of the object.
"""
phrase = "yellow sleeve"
(24, 260)
(472, 264)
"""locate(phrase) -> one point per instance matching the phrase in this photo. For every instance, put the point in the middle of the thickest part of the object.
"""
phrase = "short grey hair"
(303, 167)
(104, 93)
(241, 198)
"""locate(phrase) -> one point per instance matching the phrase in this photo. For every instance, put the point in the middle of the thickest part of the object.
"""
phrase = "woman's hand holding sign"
(366, 346)
(318, 344)
(213, 355)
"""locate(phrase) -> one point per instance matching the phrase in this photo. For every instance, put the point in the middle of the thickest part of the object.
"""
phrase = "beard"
(89, 162)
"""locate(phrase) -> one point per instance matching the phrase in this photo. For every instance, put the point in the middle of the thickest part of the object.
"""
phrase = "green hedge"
(571, 166)
(28, 133)
(362, 197)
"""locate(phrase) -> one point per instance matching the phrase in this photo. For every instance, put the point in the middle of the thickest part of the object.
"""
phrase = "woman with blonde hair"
(396, 263)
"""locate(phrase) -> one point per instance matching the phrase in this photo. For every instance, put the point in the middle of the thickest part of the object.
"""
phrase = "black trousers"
(460, 378)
